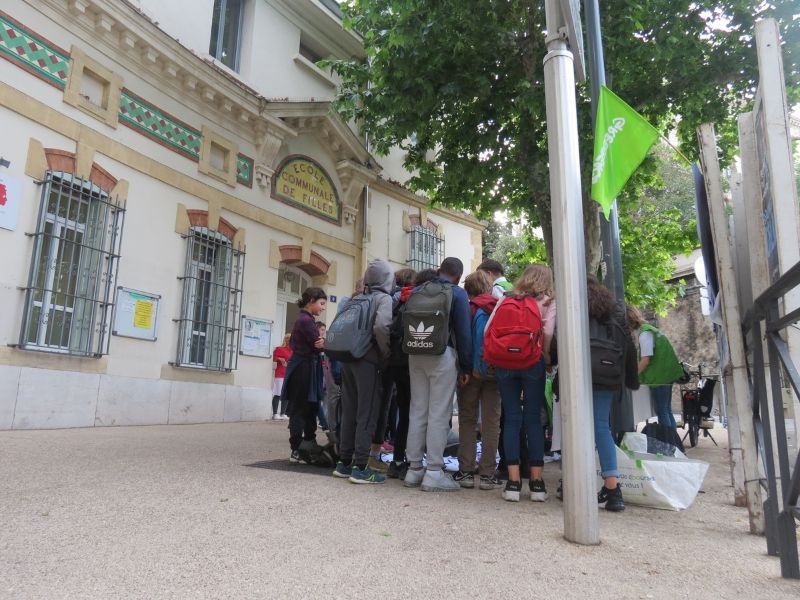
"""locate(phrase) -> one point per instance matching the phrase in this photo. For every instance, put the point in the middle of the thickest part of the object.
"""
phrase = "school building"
(172, 175)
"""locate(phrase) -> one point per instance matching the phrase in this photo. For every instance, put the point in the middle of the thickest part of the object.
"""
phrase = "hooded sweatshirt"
(379, 281)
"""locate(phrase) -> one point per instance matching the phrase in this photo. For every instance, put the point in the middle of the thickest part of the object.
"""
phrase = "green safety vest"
(664, 367)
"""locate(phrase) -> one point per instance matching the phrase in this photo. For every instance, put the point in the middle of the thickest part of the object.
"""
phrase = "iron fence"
(765, 326)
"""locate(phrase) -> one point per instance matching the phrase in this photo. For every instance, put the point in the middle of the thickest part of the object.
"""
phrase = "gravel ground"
(173, 512)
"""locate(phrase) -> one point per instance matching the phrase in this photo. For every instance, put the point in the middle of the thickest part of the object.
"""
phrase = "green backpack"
(664, 367)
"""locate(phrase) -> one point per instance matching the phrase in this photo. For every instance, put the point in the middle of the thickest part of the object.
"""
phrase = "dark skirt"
(302, 382)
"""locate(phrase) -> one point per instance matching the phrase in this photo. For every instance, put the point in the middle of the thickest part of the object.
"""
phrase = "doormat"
(286, 465)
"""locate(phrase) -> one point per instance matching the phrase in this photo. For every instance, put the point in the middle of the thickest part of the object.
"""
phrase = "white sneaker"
(414, 477)
(439, 481)
(284, 417)
(276, 417)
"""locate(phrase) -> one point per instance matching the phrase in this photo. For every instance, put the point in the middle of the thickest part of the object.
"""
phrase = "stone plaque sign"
(303, 183)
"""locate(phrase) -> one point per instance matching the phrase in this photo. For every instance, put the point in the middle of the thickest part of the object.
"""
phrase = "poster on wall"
(256, 337)
(10, 199)
(136, 314)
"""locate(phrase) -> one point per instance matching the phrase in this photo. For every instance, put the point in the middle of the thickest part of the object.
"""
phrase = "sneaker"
(611, 500)
(465, 480)
(284, 417)
(511, 493)
(294, 456)
(560, 491)
(377, 465)
(538, 491)
(367, 475)
(439, 481)
(387, 447)
(413, 477)
(311, 447)
(342, 470)
(490, 483)
(397, 470)
(276, 417)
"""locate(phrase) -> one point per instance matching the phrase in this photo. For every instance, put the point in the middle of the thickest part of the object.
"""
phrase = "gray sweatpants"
(361, 401)
(433, 383)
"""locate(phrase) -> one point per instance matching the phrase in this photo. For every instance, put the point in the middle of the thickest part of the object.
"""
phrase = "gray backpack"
(350, 336)
(426, 319)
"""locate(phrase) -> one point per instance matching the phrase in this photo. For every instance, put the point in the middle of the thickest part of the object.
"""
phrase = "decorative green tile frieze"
(33, 53)
(158, 125)
(244, 170)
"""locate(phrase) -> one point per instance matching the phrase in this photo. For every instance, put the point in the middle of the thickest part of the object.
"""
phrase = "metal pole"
(580, 494)
(609, 229)
(622, 411)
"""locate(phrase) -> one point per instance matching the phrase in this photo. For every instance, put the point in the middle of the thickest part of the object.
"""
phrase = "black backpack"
(397, 357)
(606, 344)
(664, 433)
(426, 319)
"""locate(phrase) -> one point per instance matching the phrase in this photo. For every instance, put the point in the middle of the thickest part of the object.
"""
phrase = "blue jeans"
(522, 396)
(662, 398)
(603, 440)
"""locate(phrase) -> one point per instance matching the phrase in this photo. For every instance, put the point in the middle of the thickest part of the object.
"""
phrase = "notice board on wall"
(136, 314)
(256, 337)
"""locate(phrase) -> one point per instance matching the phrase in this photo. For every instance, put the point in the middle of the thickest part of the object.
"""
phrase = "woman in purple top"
(302, 384)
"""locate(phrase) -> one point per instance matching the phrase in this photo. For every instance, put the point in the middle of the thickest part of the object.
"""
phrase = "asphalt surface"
(174, 512)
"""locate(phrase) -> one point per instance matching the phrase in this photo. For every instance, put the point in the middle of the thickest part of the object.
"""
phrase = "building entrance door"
(291, 283)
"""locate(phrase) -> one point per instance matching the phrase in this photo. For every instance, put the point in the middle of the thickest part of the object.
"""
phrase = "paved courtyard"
(174, 512)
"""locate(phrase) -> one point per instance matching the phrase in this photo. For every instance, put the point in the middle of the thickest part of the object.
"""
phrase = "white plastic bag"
(637, 442)
(664, 482)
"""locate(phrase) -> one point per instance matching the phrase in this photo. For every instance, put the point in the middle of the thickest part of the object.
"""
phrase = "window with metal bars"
(212, 292)
(69, 296)
(426, 248)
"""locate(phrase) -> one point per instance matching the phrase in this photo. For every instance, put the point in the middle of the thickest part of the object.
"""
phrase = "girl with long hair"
(302, 386)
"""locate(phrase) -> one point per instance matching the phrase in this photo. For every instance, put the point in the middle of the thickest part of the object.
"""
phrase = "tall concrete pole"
(580, 494)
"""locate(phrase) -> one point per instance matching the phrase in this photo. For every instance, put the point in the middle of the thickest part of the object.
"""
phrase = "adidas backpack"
(426, 319)
(513, 337)
(350, 335)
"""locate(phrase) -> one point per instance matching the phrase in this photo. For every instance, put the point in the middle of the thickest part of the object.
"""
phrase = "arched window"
(73, 267)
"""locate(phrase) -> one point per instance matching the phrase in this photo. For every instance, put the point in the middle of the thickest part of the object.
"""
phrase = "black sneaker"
(511, 493)
(294, 456)
(538, 491)
(397, 470)
(490, 483)
(465, 480)
(611, 500)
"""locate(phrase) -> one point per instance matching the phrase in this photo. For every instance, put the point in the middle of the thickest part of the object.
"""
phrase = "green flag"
(621, 140)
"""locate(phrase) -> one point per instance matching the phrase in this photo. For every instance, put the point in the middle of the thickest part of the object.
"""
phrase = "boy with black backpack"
(438, 340)
(359, 339)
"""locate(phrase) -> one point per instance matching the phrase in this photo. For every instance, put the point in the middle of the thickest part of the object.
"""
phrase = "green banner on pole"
(621, 141)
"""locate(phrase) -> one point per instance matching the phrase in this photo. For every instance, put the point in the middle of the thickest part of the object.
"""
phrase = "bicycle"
(697, 400)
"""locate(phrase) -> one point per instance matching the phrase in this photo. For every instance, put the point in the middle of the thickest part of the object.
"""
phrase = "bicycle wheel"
(694, 429)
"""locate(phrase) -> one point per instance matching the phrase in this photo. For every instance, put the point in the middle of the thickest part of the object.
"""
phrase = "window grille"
(426, 249)
(226, 32)
(212, 292)
(69, 299)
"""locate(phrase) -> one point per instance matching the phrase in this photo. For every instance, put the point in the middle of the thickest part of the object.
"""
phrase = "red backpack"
(513, 336)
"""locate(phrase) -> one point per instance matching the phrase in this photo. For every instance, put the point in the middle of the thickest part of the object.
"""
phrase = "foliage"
(515, 245)
(459, 86)
(657, 222)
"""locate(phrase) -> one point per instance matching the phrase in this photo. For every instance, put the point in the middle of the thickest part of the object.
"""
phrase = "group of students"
(422, 339)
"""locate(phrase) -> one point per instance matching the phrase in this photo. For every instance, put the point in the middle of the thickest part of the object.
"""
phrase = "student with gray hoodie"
(361, 382)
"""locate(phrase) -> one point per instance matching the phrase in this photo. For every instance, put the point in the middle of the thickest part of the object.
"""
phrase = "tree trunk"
(591, 233)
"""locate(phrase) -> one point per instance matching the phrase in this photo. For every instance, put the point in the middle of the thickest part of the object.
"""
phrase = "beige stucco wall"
(134, 383)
